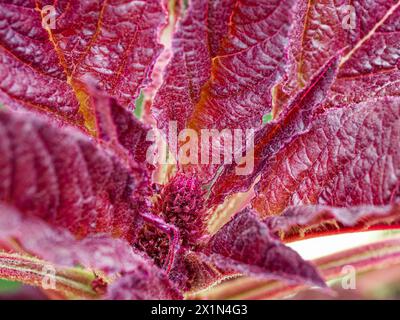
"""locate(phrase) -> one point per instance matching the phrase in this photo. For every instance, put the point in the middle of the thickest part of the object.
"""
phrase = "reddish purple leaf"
(113, 44)
(249, 63)
(383, 256)
(245, 65)
(30, 73)
(58, 246)
(358, 89)
(219, 14)
(97, 252)
(304, 221)
(187, 71)
(365, 71)
(62, 177)
(359, 27)
(349, 157)
(196, 41)
(274, 136)
(119, 129)
(193, 271)
(246, 245)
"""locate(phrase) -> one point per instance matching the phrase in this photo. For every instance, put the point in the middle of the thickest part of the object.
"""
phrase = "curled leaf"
(118, 128)
(276, 135)
(246, 245)
(372, 256)
(99, 253)
(63, 177)
(311, 221)
(349, 157)
(250, 61)
(187, 71)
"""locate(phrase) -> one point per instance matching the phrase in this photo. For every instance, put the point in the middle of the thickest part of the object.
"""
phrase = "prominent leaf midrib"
(93, 39)
(311, 167)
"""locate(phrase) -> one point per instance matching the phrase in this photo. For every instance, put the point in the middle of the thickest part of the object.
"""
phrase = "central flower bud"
(181, 202)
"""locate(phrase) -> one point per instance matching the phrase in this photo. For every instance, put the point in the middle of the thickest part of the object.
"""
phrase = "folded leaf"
(245, 245)
(248, 57)
(310, 221)
(349, 157)
(359, 27)
(187, 71)
(119, 129)
(64, 178)
(58, 246)
(194, 271)
(250, 61)
(364, 258)
(275, 135)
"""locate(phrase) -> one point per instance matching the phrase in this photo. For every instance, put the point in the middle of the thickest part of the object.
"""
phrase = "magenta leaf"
(359, 28)
(315, 220)
(194, 271)
(118, 128)
(100, 253)
(64, 178)
(246, 245)
(275, 135)
(249, 63)
(235, 86)
(219, 13)
(349, 157)
(113, 44)
(58, 246)
(31, 75)
(382, 256)
(187, 71)
(366, 72)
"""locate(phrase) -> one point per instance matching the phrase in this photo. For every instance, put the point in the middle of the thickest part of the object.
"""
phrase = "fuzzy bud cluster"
(181, 202)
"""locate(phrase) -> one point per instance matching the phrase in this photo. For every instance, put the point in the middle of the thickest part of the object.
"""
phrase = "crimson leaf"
(246, 245)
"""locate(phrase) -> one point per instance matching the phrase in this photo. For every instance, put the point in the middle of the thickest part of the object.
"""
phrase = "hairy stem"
(70, 282)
